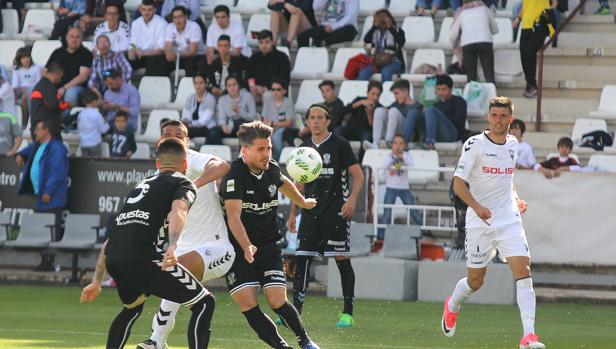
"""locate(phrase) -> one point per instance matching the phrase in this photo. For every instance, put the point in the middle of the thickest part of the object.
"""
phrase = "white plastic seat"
(351, 89)
(310, 63)
(9, 48)
(38, 24)
(142, 152)
(443, 36)
(387, 97)
(307, 95)
(35, 231)
(105, 153)
(222, 151)
(209, 5)
(250, 6)
(367, 25)
(419, 31)
(607, 104)
(583, 126)
(152, 129)
(489, 90)
(42, 49)
(257, 22)
(340, 62)
(132, 5)
(424, 159)
(401, 8)
(507, 65)
(374, 159)
(284, 50)
(284, 154)
(430, 56)
(155, 91)
(368, 7)
(504, 37)
(10, 24)
(185, 89)
(603, 162)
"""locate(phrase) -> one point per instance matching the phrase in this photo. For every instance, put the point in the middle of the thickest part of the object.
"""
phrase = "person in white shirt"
(7, 97)
(483, 179)
(183, 36)
(147, 42)
(224, 25)
(91, 125)
(193, 6)
(472, 30)
(117, 31)
(25, 73)
(199, 113)
(526, 157)
(203, 247)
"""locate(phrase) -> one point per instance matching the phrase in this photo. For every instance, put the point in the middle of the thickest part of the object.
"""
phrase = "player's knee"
(475, 281)
(275, 301)
(206, 304)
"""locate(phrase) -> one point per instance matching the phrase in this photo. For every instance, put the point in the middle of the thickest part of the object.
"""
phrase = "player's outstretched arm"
(289, 190)
(177, 219)
(215, 169)
(348, 209)
(90, 292)
(234, 218)
(293, 210)
(459, 186)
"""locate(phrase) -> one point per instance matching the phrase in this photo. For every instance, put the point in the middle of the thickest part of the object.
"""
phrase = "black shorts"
(134, 279)
(267, 270)
(328, 237)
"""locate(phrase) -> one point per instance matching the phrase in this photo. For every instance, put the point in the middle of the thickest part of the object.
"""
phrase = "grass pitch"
(35, 317)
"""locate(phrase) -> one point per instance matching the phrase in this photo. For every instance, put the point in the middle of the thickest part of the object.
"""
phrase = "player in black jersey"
(324, 230)
(154, 212)
(250, 196)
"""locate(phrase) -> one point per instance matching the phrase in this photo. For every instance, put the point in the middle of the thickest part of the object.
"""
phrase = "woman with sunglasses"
(278, 112)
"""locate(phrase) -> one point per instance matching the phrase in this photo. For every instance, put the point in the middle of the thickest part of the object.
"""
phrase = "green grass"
(34, 317)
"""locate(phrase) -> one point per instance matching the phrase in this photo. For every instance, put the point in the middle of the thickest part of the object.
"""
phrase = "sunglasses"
(277, 89)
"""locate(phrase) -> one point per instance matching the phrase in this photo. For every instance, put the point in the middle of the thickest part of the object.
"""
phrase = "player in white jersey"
(484, 180)
(204, 247)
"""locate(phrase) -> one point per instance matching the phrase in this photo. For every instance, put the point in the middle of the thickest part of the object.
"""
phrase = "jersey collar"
(325, 140)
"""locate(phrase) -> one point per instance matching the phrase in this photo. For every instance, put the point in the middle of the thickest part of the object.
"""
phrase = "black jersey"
(140, 228)
(259, 195)
(331, 188)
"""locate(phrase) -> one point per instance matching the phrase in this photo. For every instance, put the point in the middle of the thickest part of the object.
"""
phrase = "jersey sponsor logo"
(327, 171)
(259, 207)
(272, 190)
(250, 192)
(135, 216)
(222, 260)
(230, 185)
(497, 170)
(273, 272)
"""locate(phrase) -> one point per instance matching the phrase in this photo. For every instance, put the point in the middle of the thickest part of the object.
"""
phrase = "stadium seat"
(369, 7)
(42, 49)
(374, 159)
(284, 154)
(350, 89)
(9, 48)
(366, 26)
(607, 104)
(443, 36)
(38, 5)
(38, 24)
(489, 91)
(185, 89)
(35, 231)
(5, 226)
(257, 22)
(402, 241)
(142, 152)
(307, 95)
(310, 63)
(387, 97)
(155, 91)
(285, 50)
(251, 6)
(507, 65)
(507, 12)
(209, 5)
(583, 126)
(105, 153)
(10, 23)
(433, 57)
(424, 159)
(504, 37)
(222, 151)
(152, 129)
(132, 5)
(419, 31)
(402, 8)
(360, 243)
(605, 163)
(340, 62)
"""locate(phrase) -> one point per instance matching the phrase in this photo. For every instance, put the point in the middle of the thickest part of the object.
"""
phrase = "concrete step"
(549, 294)
(557, 109)
(587, 40)
(587, 72)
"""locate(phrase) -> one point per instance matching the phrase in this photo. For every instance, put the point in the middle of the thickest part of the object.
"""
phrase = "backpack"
(475, 96)
(355, 64)
(596, 139)
(428, 96)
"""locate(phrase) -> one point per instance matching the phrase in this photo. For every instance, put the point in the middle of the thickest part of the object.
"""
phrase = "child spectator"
(526, 156)
(554, 166)
(25, 73)
(122, 137)
(91, 125)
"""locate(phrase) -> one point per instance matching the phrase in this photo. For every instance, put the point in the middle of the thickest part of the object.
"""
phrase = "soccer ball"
(304, 164)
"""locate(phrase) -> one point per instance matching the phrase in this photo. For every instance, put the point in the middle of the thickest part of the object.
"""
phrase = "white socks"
(163, 321)
(460, 294)
(527, 304)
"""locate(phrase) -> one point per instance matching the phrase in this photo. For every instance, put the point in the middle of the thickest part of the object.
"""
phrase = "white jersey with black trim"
(205, 222)
(488, 169)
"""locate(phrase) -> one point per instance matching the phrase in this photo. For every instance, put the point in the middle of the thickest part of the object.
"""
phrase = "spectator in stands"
(436, 5)
(91, 125)
(235, 107)
(604, 8)
(279, 113)
(68, 13)
(293, 15)
(265, 64)
(532, 37)
(526, 156)
(331, 100)
(147, 42)
(7, 97)
(385, 42)
(105, 60)
(25, 73)
(339, 23)
(393, 124)
(226, 65)
(122, 143)
(10, 134)
(45, 174)
(472, 29)
(76, 62)
(45, 102)
(445, 121)
(117, 32)
(224, 25)
(193, 7)
(121, 96)
(199, 113)
(556, 165)
(96, 13)
(359, 114)
(183, 39)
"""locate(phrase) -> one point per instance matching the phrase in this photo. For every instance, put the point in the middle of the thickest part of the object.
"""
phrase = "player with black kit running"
(154, 212)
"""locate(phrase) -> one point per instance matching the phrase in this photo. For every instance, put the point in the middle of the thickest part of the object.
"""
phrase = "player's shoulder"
(273, 166)
(237, 168)
(474, 141)
(511, 140)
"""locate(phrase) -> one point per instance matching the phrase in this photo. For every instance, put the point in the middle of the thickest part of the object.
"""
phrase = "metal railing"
(560, 28)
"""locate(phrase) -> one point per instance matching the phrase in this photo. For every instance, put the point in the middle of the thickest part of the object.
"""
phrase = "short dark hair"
(89, 96)
(112, 73)
(113, 4)
(444, 79)
(517, 123)
(501, 102)
(374, 84)
(200, 74)
(22, 52)
(566, 142)
(173, 147)
(121, 114)
(327, 83)
(250, 131)
(176, 123)
(224, 37)
(232, 77)
(321, 106)
(278, 80)
(147, 2)
(184, 10)
(55, 67)
(222, 8)
(401, 84)
(264, 34)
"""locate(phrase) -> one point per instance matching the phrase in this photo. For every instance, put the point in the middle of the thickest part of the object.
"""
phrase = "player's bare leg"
(347, 280)
(464, 288)
(276, 297)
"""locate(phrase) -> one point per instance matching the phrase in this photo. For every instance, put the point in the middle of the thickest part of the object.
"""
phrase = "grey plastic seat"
(35, 231)
(5, 225)
(402, 241)
(80, 235)
(361, 242)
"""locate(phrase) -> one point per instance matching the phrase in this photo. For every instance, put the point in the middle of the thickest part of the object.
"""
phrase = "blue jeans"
(438, 127)
(454, 4)
(277, 142)
(390, 198)
(387, 71)
(413, 117)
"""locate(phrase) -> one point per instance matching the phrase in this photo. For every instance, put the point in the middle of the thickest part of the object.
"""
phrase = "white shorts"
(481, 243)
(218, 257)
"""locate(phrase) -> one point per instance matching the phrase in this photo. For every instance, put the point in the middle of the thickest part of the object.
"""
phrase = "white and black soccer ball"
(304, 164)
